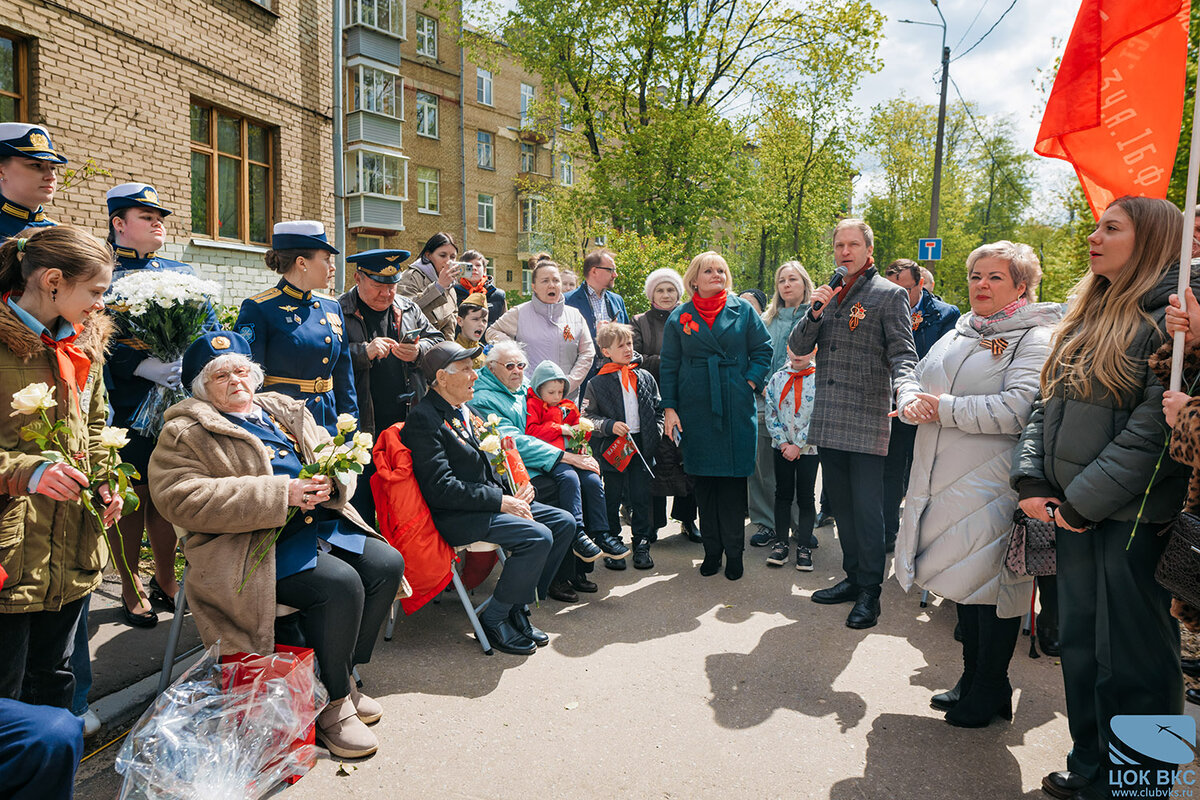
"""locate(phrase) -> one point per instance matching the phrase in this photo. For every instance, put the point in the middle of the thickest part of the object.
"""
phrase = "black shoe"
(733, 566)
(1047, 635)
(958, 634)
(612, 546)
(585, 548)
(843, 592)
(823, 519)
(762, 537)
(865, 612)
(981, 704)
(520, 621)
(617, 564)
(711, 565)
(813, 544)
(779, 554)
(803, 559)
(581, 584)
(641, 555)
(562, 591)
(1064, 785)
(948, 699)
(1190, 667)
(507, 639)
(147, 620)
(690, 531)
(1192, 696)
(160, 598)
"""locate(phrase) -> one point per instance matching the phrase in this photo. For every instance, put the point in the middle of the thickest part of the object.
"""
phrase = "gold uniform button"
(308, 520)
(324, 360)
(328, 340)
(283, 453)
(322, 320)
(316, 304)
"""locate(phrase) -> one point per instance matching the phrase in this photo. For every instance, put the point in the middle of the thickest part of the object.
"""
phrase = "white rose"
(362, 440)
(33, 398)
(490, 444)
(114, 438)
(585, 424)
(346, 423)
(362, 456)
(493, 419)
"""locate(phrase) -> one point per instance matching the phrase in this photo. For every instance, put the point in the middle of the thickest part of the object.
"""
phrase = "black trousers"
(795, 481)
(535, 550)
(548, 490)
(723, 504)
(683, 509)
(854, 484)
(1120, 644)
(35, 656)
(343, 602)
(631, 487)
(364, 499)
(896, 467)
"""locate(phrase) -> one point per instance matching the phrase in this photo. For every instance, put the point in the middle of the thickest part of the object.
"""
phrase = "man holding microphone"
(863, 332)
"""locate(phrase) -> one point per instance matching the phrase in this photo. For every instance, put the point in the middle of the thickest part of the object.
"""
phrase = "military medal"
(917, 318)
(997, 346)
(290, 309)
(857, 315)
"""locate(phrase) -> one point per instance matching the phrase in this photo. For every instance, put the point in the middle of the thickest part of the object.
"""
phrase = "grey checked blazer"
(858, 368)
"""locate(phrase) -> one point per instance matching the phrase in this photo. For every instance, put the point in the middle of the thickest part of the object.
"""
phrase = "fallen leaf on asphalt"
(574, 704)
(341, 770)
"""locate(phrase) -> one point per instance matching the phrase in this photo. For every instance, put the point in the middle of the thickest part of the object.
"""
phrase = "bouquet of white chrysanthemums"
(162, 312)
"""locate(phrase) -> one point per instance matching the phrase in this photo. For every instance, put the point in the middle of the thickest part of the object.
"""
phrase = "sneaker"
(641, 555)
(91, 723)
(612, 546)
(803, 559)
(779, 554)
(614, 563)
(813, 544)
(823, 519)
(585, 548)
(762, 537)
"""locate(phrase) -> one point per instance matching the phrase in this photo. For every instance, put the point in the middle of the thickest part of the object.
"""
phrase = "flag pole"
(1185, 245)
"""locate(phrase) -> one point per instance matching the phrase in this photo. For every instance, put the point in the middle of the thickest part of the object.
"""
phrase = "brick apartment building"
(223, 105)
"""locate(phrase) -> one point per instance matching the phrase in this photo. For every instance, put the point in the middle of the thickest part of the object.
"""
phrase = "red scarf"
(709, 307)
(73, 365)
(850, 281)
(628, 376)
(795, 384)
(474, 288)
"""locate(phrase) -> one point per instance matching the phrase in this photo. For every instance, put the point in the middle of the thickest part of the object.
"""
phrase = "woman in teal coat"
(716, 356)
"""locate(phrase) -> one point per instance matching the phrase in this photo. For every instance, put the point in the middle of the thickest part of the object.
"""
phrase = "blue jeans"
(581, 494)
(81, 662)
(40, 748)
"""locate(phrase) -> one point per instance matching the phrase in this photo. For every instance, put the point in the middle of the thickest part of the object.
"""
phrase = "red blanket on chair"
(405, 521)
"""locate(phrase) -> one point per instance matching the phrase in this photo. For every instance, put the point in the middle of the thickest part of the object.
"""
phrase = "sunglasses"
(515, 365)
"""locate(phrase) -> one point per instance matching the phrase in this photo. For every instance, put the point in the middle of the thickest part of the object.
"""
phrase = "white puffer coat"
(959, 507)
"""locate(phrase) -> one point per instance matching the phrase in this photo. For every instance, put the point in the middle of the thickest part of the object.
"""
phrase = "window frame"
(355, 172)
(530, 149)
(484, 79)
(437, 184)
(420, 35)
(565, 110)
(490, 144)
(479, 212)
(214, 154)
(399, 13)
(20, 51)
(528, 98)
(528, 220)
(566, 169)
(355, 68)
(425, 117)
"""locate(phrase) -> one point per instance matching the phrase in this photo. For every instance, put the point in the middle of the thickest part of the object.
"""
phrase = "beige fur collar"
(25, 344)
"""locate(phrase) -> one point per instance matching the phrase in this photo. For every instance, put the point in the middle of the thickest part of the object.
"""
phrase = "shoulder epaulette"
(266, 295)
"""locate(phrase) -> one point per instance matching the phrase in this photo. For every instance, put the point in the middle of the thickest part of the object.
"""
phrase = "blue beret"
(208, 346)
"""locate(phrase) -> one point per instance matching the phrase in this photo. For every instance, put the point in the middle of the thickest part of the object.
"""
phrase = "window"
(386, 15)
(427, 190)
(426, 36)
(564, 114)
(529, 215)
(526, 281)
(508, 275)
(372, 90)
(13, 83)
(528, 157)
(487, 212)
(373, 172)
(427, 115)
(483, 86)
(365, 243)
(485, 150)
(566, 169)
(232, 182)
(526, 105)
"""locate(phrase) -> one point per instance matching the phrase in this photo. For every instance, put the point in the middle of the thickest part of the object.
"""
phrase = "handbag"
(1178, 568)
(1030, 546)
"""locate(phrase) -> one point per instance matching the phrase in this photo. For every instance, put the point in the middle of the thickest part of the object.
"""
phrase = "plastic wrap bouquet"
(230, 728)
(161, 312)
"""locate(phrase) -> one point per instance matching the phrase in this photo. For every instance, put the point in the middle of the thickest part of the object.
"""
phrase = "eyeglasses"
(606, 269)
(226, 374)
(515, 365)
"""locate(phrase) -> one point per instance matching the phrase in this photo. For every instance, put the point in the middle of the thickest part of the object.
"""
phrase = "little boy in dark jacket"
(623, 400)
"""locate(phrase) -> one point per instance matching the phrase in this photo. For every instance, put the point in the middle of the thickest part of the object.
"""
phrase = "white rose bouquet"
(582, 435)
(164, 311)
(346, 453)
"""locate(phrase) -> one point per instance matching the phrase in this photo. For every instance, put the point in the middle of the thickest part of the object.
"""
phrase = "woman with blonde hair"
(1086, 461)
(716, 356)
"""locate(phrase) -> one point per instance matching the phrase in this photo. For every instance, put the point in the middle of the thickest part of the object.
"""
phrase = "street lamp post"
(941, 130)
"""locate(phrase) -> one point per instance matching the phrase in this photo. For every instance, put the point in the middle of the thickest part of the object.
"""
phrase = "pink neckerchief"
(979, 323)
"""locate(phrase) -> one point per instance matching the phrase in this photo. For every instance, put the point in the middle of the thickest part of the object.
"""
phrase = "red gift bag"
(297, 668)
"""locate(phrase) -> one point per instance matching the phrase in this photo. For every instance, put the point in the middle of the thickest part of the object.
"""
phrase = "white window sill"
(430, 213)
(240, 247)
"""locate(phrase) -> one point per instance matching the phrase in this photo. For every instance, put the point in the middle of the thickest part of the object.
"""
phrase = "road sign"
(929, 249)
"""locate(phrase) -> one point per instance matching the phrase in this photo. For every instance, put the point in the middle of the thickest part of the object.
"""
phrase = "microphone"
(839, 275)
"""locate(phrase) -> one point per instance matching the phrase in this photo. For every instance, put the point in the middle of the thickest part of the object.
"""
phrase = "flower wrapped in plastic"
(227, 728)
(162, 311)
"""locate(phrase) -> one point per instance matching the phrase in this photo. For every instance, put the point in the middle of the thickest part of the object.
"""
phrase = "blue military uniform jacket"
(15, 218)
(300, 341)
(126, 391)
(297, 547)
(932, 319)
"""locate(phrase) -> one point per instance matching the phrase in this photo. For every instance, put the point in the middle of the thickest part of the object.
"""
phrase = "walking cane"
(1033, 653)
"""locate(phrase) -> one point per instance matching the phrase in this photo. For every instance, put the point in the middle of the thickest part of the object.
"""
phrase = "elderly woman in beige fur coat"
(226, 469)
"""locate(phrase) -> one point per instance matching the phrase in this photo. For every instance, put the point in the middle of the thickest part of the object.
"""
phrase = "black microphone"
(839, 275)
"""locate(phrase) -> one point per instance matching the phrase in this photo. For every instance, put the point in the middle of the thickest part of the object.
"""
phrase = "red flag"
(1117, 103)
(620, 453)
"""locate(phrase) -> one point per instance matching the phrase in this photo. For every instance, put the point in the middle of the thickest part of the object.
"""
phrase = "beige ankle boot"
(369, 710)
(343, 733)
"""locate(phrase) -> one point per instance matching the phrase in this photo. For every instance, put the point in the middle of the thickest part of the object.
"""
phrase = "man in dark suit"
(596, 300)
(864, 334)
(469, 501)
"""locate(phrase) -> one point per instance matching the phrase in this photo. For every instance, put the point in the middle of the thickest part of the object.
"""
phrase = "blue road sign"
(929, 249)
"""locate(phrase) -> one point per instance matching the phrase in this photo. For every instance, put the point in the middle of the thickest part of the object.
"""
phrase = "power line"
(972, 25)
(1020, 192)
(986, 33)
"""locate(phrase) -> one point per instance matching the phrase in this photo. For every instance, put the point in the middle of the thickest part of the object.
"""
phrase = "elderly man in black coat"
(470, 503)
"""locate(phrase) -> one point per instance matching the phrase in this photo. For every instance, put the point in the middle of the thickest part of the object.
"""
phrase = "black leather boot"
(990, 694)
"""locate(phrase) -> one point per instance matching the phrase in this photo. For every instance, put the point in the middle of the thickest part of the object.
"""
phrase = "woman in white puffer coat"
(973, 395)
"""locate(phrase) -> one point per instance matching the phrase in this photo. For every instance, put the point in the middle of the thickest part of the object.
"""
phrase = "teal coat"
(703, 377)
(493, 397)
